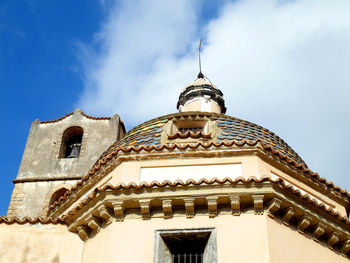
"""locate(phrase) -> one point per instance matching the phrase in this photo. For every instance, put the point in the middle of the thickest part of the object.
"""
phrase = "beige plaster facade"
(246, 238)
(285, 244)
(39, 243)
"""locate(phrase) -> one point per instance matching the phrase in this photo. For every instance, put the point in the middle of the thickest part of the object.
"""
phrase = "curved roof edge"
(32, 221)
(85, 115)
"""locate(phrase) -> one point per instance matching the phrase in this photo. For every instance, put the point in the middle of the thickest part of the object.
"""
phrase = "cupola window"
(190, 126)
(191, 129)
(71, 142)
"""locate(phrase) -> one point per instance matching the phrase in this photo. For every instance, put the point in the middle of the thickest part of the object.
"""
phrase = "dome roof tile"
(229, 129)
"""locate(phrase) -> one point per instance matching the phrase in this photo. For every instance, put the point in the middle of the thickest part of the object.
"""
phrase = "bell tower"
(57, 154)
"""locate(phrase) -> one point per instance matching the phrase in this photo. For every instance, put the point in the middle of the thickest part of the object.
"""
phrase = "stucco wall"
(245, 238)
(287, 245)
(32, 198)
(239, 239)
(39, 244)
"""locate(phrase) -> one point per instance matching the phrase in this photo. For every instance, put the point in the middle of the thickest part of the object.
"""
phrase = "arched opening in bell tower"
(71, 142)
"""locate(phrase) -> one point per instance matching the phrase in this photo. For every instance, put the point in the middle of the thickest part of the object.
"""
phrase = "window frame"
(162, 253)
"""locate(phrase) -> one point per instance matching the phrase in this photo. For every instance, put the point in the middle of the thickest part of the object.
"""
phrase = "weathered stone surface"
(42, 170)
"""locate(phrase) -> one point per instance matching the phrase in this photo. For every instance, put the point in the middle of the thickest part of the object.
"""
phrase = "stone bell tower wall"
(44, 170)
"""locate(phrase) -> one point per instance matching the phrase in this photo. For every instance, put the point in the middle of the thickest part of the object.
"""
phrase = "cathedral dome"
(205, 127)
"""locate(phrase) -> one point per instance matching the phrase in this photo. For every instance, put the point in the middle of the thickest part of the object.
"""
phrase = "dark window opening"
(192, 129)
(187, 247)
(191, 126)
(71, 142)
(56, 195)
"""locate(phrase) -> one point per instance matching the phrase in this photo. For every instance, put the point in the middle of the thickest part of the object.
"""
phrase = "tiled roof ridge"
(57, 120)
(94, 118)
(280, 155)
(205, 181)
(28, 220)
(71, 113)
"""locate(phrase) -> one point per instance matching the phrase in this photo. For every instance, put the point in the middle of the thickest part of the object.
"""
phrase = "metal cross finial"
(200, 74)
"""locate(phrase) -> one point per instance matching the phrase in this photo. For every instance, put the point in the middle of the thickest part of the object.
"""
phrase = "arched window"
(56, 195)
(71, 142)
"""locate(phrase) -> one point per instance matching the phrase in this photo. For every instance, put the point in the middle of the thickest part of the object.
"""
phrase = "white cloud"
(282, 64)
(139, 39)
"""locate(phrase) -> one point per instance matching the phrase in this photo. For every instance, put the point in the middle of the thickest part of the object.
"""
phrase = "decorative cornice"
(205, 145)
(263, 196)
(257, 200)
(189, 202)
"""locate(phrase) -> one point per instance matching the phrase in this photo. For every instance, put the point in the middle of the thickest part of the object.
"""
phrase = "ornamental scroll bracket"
(118, 208)
(258, 204)
(189, 207)
(145, 209)
(167, 208)
(235, 205)
(212, 206)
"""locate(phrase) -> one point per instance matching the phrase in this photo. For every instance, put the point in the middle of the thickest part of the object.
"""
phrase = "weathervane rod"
(200, 74)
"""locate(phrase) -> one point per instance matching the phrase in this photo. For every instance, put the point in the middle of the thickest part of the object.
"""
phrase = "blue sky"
(39, 71)
(281, 64)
